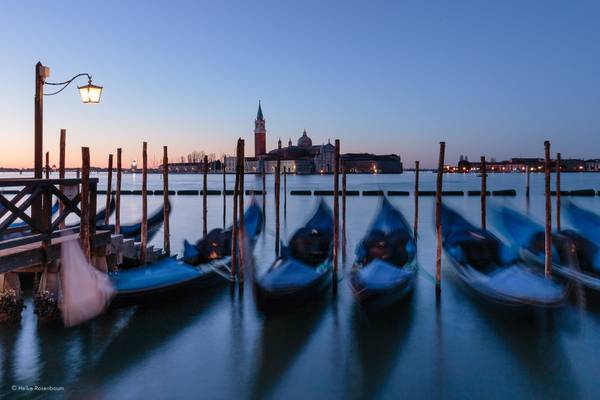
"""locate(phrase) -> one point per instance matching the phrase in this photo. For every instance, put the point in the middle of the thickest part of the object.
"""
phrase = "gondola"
(572, 252)
(167, 274)
(304, 269)
(493, 269)
(385, 267)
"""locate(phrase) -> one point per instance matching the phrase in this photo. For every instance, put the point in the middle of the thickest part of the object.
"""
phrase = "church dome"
(304, 141)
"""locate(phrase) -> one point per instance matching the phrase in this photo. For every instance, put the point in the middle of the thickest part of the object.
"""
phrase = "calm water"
(217, 345)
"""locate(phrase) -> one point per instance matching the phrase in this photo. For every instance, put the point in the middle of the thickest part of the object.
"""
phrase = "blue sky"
(489, 78)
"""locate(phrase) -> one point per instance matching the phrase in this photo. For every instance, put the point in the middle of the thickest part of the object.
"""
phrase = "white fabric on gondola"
(516, 282)
(86, 292)
(290, 274)
(380, 275)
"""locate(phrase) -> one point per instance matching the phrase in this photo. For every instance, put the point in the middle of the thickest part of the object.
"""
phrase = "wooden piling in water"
(558, 161)
(144, 245)
(108, 188)
(84, 227)
(204, 198)
(47, 165)
(527, 180)
(277, 196)
(336, 211)
(438, 218)
(416, 221)
(224, 194)
(284, 192)
(166, 204)
(234, 229)
(241, 227)
(344, 193)
(483, 171)
(264, 194)
(548, 225)
(118, 194)
(61, 168)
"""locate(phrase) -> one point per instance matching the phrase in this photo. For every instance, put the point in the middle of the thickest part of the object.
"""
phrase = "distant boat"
(169, 273)
(492, 269)
(304, 270)
(385, 267)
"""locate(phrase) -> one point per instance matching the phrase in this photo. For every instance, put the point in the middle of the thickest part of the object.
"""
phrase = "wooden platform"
(31, 254)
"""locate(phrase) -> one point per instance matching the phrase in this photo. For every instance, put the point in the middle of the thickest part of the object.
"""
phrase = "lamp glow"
(90, 93)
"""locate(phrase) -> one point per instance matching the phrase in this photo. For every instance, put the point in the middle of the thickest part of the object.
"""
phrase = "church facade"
(306, 158)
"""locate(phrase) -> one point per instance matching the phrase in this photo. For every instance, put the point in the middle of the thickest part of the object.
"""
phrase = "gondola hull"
(504, 278)
(378, 283)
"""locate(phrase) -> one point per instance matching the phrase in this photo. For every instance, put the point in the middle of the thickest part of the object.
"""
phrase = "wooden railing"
(36, 196)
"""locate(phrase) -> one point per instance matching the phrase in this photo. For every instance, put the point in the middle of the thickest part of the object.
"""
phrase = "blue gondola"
(170, 273)
(494, 270)
(304, 269)
(385, 267)
(528, 236)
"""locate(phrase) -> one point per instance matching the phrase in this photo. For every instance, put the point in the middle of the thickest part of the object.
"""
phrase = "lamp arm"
(65, 83)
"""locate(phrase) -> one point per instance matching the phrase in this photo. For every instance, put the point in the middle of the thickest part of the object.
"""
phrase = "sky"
(489, 78)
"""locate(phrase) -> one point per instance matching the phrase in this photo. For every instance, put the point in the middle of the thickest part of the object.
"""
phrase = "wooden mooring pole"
(438, 218)
(284, 192)
(84, 229)
(344, 189)
(277, 196)
(61, 168)
(234, 224)
(167, 205)
(144, 245)
(527, 180)
(548, 224)
(108, 188)
(241, 228)
(416, 199)
(264, 193)
(483, 171)
(47, 165)
(336, 211)
(224, 193)
(118, 194)
(558, 161)
(204, 197)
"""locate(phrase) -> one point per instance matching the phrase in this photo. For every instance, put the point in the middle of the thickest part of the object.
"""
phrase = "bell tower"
(260, 134)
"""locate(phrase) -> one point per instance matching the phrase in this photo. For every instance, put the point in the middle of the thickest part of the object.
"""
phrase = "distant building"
(306, 158)
(592, 165)
(364, 163)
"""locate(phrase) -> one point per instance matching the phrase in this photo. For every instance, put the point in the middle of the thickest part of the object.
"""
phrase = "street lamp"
(89, 94)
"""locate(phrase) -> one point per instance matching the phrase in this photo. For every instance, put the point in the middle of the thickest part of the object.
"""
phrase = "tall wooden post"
(438, 218)
(234, 225)
(224, 194)
(336, 211)
(264, 192)
(204, 198)
(166, 204)
(47, 165)
(108, 188)
(548, 225)
(527, 180)
(343, 213)
(277, 196)
(84, 230)
(416, 196)
(118, 194)
(241, 228)
(144, 247)
(284, 191)
(558, 162)
(61, 168)
(483, 193)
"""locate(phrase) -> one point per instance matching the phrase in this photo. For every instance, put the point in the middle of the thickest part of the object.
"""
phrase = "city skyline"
(493, 80)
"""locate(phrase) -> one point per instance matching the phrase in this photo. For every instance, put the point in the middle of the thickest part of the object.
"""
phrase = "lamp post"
(89, 94)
